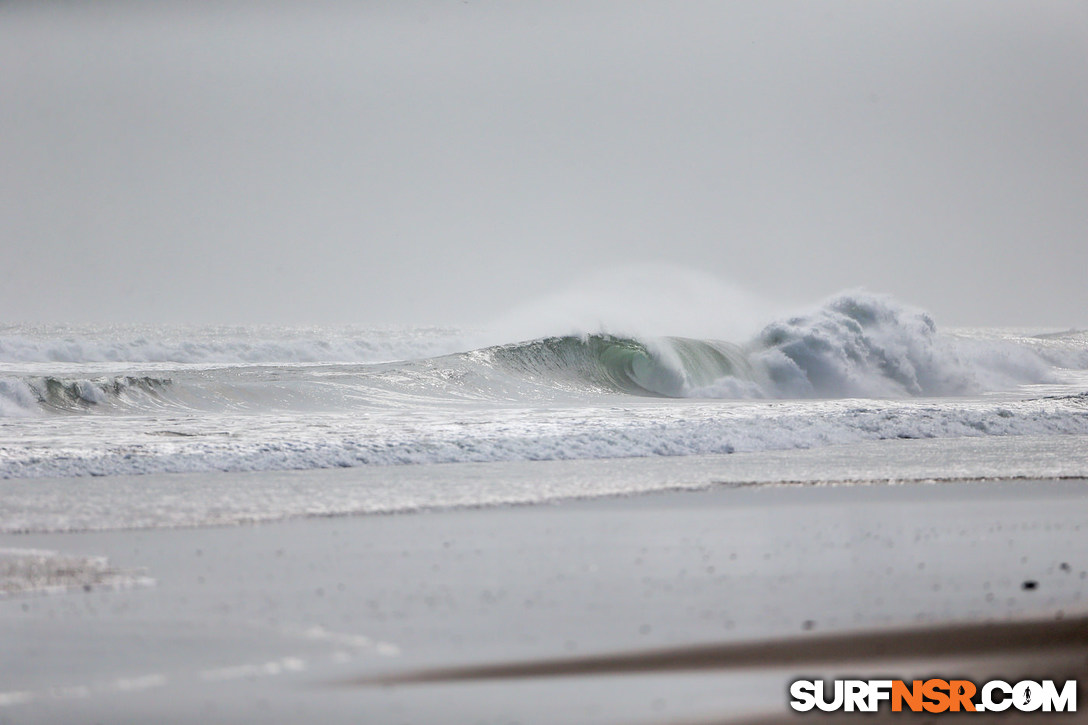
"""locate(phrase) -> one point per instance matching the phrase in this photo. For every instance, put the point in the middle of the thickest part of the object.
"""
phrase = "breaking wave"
(859, 367)
(668, 367)
(242, 443)
(856, 345)
(51, 393)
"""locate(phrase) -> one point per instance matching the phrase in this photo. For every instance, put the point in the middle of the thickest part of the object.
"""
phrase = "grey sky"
(438, 162)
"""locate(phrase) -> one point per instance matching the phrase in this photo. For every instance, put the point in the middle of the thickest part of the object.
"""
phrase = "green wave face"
(665, 367)
(79, 394)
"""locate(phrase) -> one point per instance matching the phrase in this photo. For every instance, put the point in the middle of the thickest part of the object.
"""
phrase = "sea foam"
(854, 345)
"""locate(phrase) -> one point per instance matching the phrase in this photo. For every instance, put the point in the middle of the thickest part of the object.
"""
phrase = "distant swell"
(223, 345)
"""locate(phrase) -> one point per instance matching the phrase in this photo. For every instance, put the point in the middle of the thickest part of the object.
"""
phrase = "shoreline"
(141, 502)
(279, 613)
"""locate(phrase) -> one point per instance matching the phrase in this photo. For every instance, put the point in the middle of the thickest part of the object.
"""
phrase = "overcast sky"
(440, 162)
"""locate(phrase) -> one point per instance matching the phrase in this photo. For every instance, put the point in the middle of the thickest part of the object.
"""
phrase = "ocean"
(134, 426)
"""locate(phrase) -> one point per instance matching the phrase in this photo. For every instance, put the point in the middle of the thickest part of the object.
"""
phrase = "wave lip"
(665, 367)
(29, 395)
(856, 345)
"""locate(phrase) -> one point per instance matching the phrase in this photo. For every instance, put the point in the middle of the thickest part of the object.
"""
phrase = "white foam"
(17, 399)
(864, 345)
(101, 446)
(36, 571)
(481, 407)
(234, 498)
(854, 345)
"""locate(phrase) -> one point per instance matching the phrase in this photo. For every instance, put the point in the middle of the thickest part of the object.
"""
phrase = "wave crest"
(667, 367)
(24, 395)
(855, 345)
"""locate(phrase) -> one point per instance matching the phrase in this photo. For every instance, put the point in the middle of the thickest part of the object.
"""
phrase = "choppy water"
(79, 401)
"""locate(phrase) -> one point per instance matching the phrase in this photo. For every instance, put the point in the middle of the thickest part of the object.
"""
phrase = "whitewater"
(850, 389)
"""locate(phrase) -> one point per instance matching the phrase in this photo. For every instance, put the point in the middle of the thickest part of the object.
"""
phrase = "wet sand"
(1050, 641)
(1054, 649)
(690, 607)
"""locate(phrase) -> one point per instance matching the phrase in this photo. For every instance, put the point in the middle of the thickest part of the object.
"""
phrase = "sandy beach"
(542, 363)
(676, 607)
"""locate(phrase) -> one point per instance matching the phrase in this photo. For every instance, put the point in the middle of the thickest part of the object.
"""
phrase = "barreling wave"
(856, 345)
(667, 367)
(858, 368)
(80, 394)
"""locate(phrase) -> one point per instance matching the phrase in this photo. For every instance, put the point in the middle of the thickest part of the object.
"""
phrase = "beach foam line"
(39, 571)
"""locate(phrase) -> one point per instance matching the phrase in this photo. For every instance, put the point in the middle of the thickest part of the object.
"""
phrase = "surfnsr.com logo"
(933, 696)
